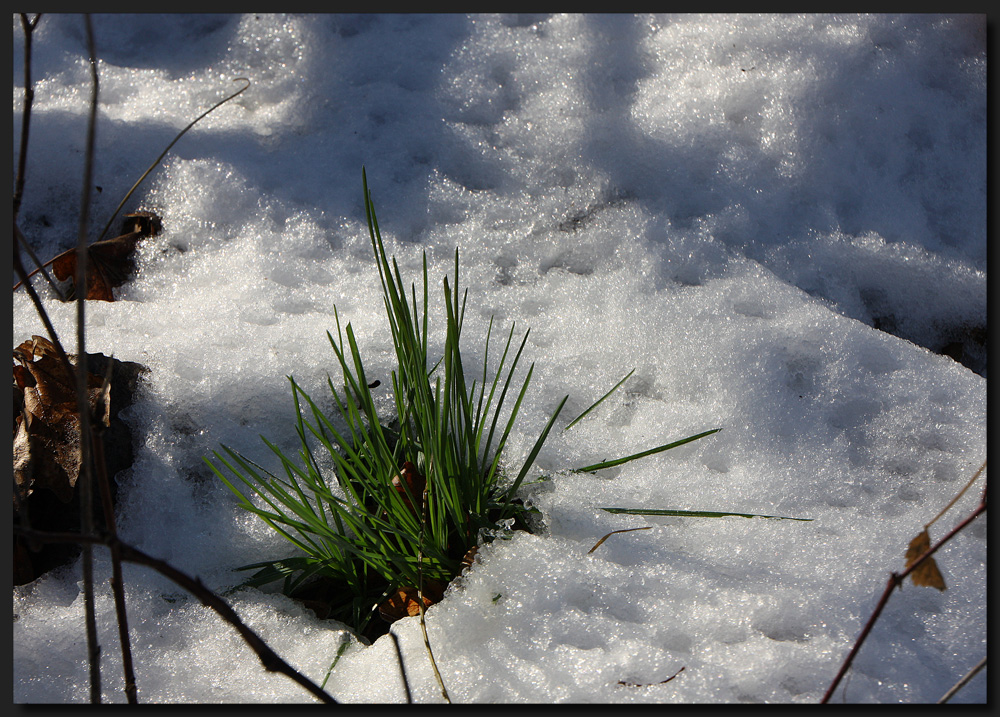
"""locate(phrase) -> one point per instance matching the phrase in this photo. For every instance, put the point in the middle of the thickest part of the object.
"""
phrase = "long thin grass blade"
(643, 454)
(503, 394)
(596, 403)
(695, 513)
(532, 455)
(616, 532)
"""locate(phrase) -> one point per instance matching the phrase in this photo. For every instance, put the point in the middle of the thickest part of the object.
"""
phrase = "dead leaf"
(469, 558)
(109, 261)
(403, 603)
(47, 427)
(927, 573)
(48, 456)
(414, 481)
(146, 223)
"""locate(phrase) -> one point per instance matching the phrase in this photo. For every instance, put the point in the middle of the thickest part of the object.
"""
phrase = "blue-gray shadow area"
(895, 144)
(371, 100)
(367, 97)
(50, 209)
(890, 140)
(140, 41)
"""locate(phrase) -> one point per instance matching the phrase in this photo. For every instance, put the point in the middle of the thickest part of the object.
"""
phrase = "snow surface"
(727, 204)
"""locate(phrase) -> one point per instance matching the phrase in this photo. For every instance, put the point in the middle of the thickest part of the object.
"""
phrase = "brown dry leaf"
(109, 261)
(403, 602)
(47, 436)
(927, 573)
(469, 558)
(415, 482)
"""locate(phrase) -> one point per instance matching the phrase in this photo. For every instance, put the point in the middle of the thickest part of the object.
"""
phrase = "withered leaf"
(927, 573)
(403, 603)
(109, 261)
(45, 459)
(469, 558)
(47, 437)
(36, 346)
(414, 481)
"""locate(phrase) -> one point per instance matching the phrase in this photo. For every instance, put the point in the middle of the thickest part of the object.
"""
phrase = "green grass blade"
(598, 401)
(531, 456)
(503, 393)
(695, 513)
(643, 454)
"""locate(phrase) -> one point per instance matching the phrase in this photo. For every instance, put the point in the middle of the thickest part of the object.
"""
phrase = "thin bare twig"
(37, 301)
(29, 96)
(420, 603)
(271, 661)
(91, 445)
(962, 682)
(102, 476)
(101, 471)
(91, 441)
(84, 481)
(957, 496)
(896, 580)
(624, 683)
(39, 267)
(164, 153)
(117, 581)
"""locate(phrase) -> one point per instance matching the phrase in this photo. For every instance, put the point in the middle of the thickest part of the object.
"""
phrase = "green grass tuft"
(363, 528)
(405, 502)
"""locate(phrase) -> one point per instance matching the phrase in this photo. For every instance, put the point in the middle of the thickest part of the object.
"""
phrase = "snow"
(731, 205)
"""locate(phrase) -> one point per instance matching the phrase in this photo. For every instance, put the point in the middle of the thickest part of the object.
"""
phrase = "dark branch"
(271, 661)
(896, 580)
